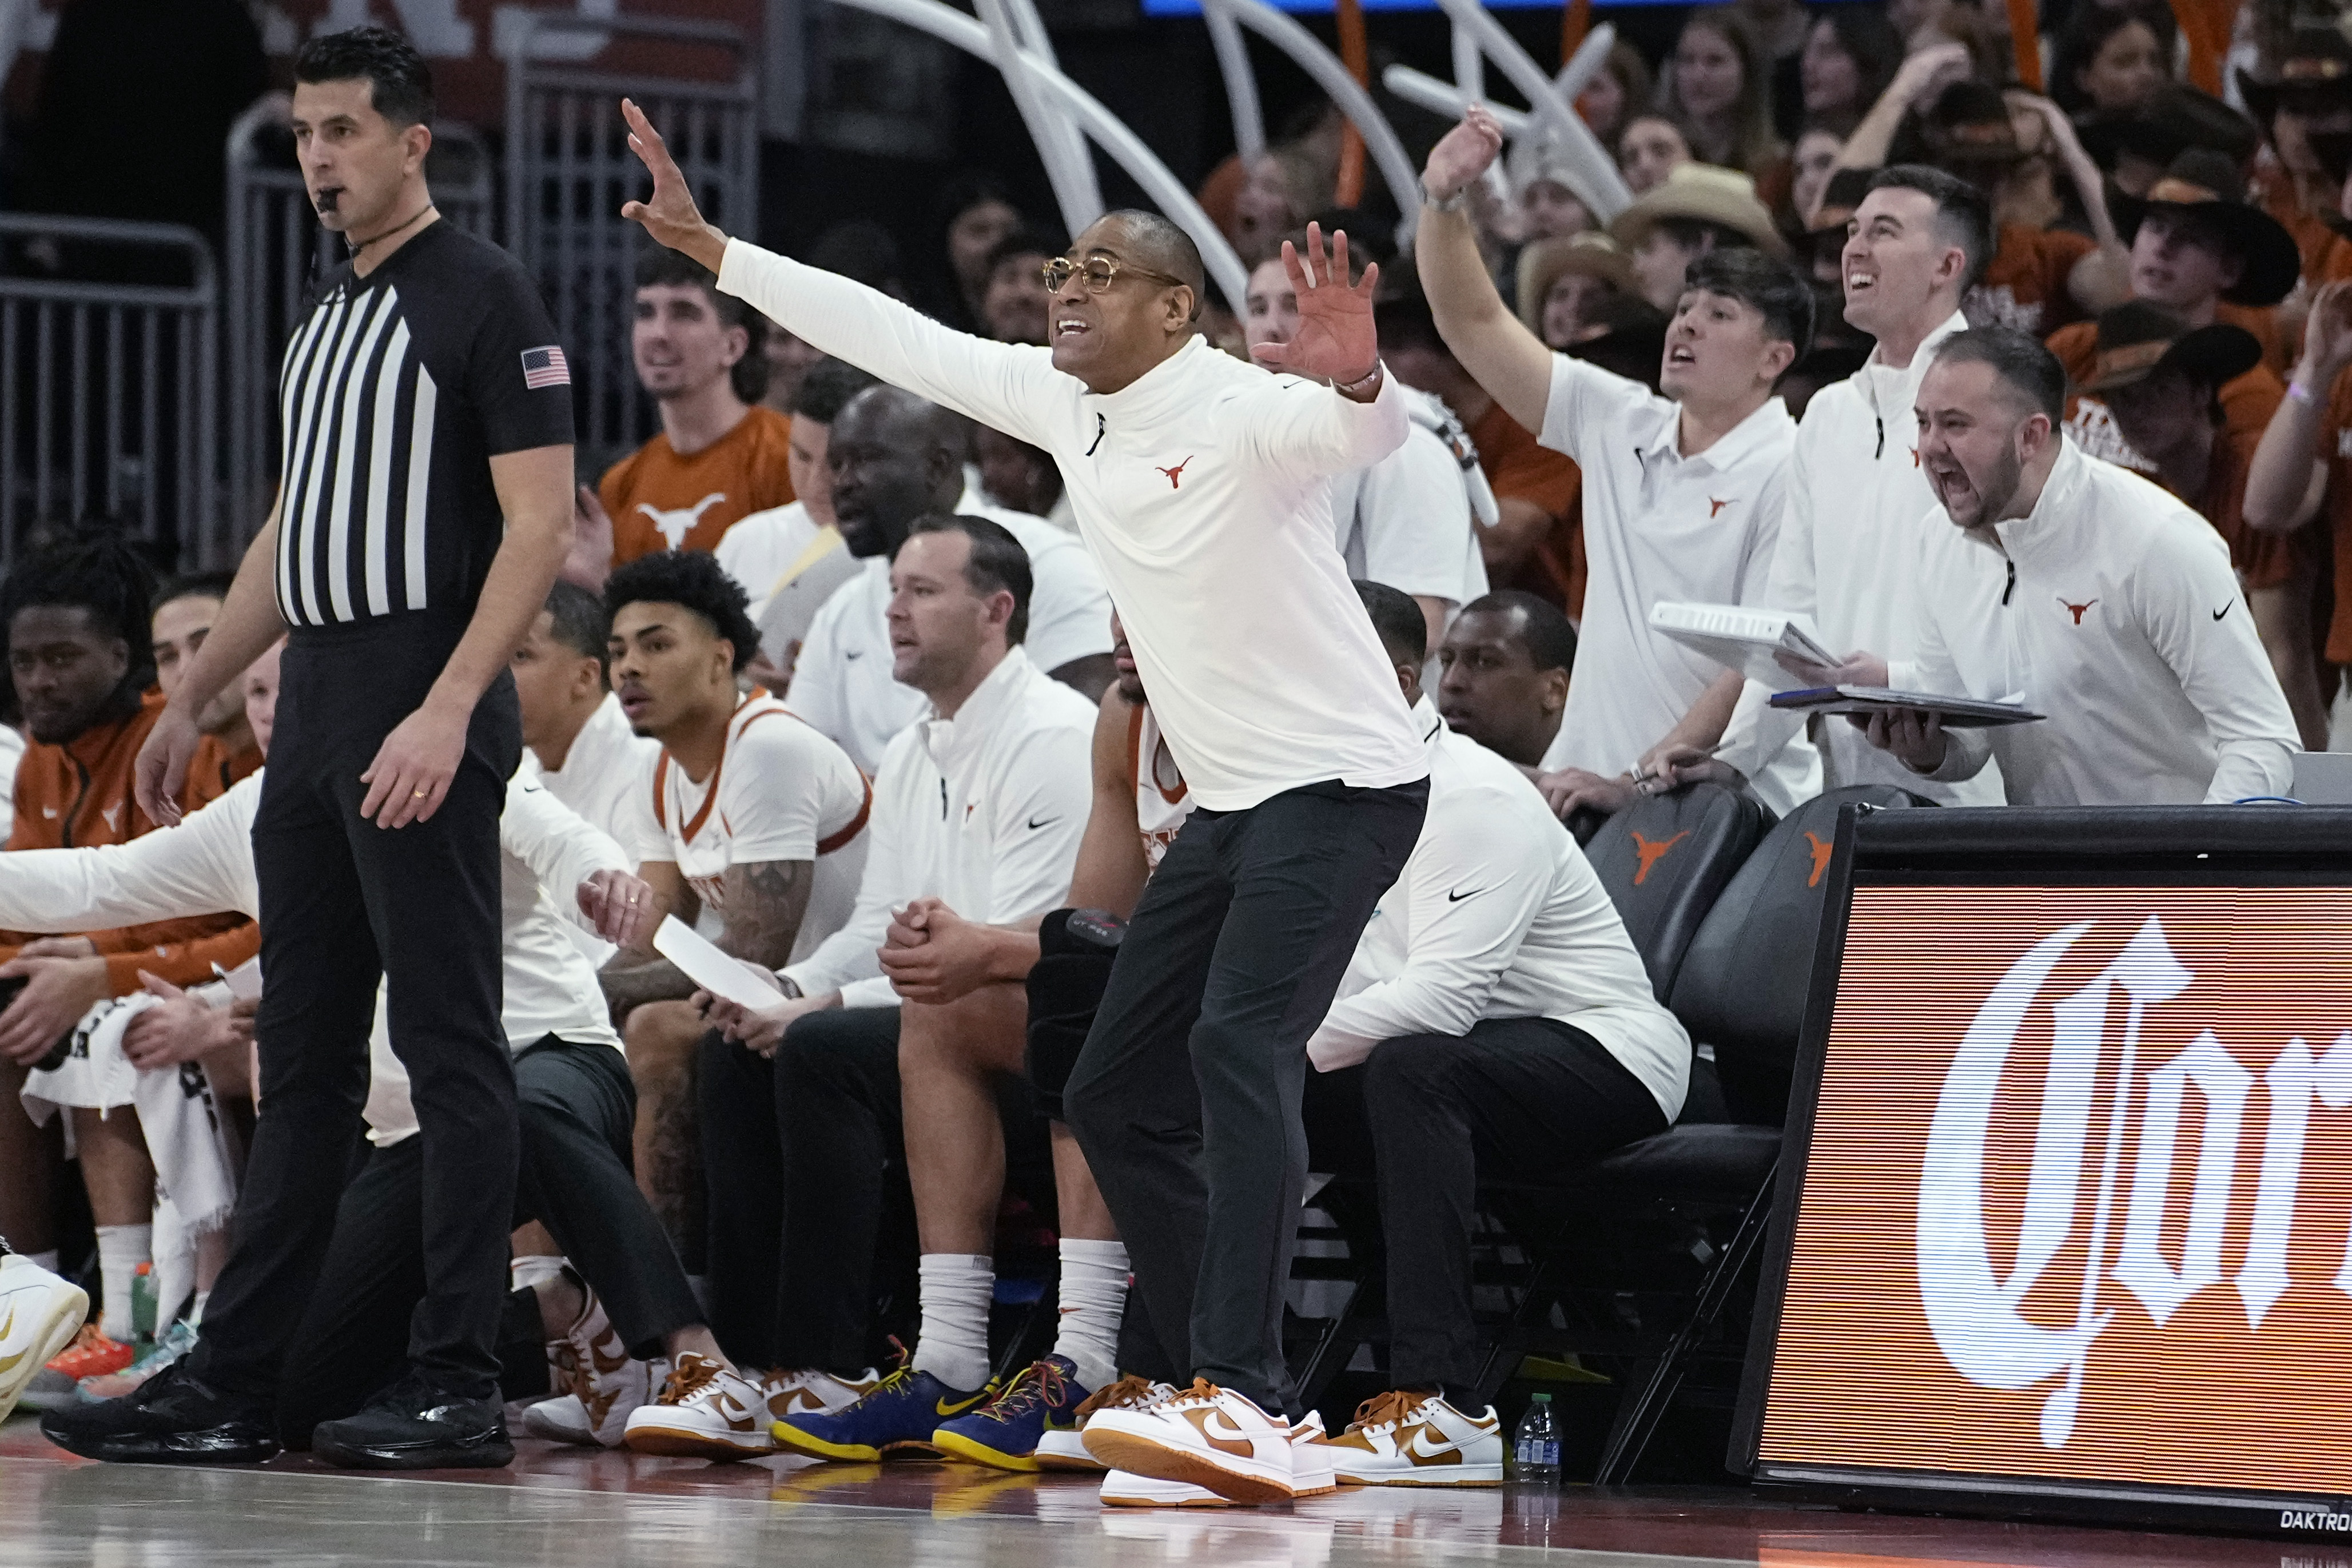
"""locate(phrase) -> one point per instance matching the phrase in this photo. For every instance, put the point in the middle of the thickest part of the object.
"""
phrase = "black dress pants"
(1186, 1097)
(577, 1107)
(805, 1172)
(344, 904)
(1526, 1099)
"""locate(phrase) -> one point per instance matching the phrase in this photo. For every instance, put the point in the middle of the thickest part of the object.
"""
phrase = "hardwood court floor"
(563, 1508)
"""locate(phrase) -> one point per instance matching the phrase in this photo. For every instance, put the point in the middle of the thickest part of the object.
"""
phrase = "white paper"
(243, 981)
(720, 973)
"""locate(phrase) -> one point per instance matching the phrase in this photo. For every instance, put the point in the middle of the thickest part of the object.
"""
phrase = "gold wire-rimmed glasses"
(1101, 272)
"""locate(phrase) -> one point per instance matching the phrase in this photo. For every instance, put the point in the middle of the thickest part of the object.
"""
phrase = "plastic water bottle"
(1535, 1451)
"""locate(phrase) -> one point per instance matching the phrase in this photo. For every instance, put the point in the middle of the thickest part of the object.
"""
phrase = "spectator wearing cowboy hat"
(1564, 283)
(1695, 209)
(2161, 381)
(2039, 278)
(2305, 114)
(2201, 250)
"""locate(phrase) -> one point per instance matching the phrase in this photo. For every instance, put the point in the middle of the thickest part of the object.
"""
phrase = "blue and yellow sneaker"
(897, 1415)
(1004, 1433)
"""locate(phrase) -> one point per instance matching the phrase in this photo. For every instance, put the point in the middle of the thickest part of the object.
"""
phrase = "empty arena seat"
(1665, 858)
(1743, 978)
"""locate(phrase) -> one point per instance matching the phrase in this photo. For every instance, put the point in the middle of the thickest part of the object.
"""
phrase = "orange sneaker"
(91, 1354)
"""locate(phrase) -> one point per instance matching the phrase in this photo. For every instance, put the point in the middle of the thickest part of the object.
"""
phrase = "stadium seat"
(1665, 858)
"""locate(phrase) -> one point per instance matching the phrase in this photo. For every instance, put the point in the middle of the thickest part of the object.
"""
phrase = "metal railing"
(568, 169)
(276, 251)
(107, 399)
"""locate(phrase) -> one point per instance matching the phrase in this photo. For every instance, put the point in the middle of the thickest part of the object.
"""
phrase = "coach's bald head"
(893, 456)
(1132, 298)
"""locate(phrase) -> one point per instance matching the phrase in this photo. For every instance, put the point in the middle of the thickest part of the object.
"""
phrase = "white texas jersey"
(781, 792)
(1161, 800)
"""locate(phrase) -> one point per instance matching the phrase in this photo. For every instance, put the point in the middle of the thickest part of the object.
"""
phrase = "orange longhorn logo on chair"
(1651, 853)
(1821, 848)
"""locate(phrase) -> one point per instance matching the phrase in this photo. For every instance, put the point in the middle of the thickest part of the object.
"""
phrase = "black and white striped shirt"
(396, 391)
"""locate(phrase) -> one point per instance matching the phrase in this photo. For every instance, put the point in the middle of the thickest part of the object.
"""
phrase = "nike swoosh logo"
(2223, 610)
(852, 653)
(1035, 824)
(1457, 898)
(9, 1364)
(956, 1407)
(1420, 1448)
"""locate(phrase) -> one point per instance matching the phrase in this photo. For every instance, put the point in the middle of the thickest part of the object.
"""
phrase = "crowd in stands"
(2013, 390)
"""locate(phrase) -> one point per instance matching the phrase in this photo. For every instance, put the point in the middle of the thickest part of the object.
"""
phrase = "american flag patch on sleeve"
(545, 367)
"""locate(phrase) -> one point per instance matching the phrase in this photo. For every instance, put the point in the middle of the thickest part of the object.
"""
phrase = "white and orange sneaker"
(606, 1382)
(706, 1410)
(1061, 1450)
(1311, 1476)
(1401, 1439)
(1207, 1435)
(791, 1394)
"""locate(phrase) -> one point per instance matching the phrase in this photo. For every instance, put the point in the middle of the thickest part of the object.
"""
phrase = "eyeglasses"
(1101, 272)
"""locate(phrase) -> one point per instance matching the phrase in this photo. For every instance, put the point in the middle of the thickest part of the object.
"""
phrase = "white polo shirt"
(1661, 526)
(1405, 520)
(1497, 915)
(842, 682)
(1203, 490)
(2128, 629)
(1850, 556)
(606, 773)
(984, 810)
(779, 791)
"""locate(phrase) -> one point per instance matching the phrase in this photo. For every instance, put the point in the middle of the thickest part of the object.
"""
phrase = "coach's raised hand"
(1336, 341)
(670, 215)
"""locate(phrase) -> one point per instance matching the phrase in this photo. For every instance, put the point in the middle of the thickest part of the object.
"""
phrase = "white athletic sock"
(1094, 1294)
(121, 1249)
(47, 1261)
(196, 1309)
(957, 1287)
(531, 1268)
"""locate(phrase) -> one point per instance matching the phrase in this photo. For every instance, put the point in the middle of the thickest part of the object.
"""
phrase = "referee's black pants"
(805, 1172)
(343, 904)
(577, 1105)
(1186, 1097)
(1520, 1099)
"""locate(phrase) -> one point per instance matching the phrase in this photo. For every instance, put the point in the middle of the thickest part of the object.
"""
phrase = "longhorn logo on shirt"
(1715, 506)
(1176, 474)
(674, 525)
(1822, 848)
(1977, 1305)
(2077, 609)
(1652, 852)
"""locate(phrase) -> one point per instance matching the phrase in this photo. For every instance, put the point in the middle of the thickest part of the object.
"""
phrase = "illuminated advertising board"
(2072, 1222)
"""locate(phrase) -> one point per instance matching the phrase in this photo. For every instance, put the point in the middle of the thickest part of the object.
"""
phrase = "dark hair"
(1962, 210)
(2086, 33)
(1872, 42)
(1698, 234)
(1549, 640)
(1773, 289)
(101, 574)
(1404, 321)
(582, 625)
(660, 266)
(694, 581)
(2028, 369)
(827, 389)
(193, 586)
(400, 84)
(861, 251)
(1404, 632)
(998, 563)
(1168, 249)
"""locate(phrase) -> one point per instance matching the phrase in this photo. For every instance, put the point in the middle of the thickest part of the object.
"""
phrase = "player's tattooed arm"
(765, 901)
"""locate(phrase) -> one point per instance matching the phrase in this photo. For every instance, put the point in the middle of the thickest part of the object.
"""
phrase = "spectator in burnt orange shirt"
(79, 638)
(721, 454)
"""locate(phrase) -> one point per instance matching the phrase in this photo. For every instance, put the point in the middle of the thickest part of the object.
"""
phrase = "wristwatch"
(1459, 201)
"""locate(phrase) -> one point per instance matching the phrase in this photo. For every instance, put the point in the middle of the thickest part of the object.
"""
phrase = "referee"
(423, 506)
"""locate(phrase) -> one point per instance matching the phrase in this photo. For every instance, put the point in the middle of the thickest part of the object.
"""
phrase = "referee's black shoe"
(173, 1419)
(412, 1426)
